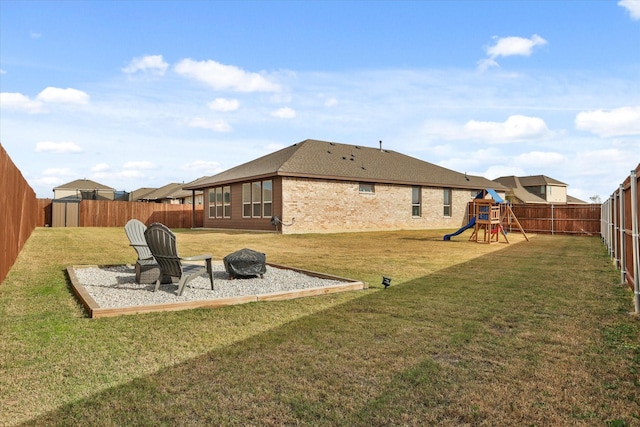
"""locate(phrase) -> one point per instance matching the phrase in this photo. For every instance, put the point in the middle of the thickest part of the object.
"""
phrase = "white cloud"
(100, 167)
(515, 128)
(633, 7)
(510, 46)
(18, 101)
(35, 35)
(330, 102)
(202, 167)
(497, 171)
(618, 122)
(222, 104)
(58, 147)
(126, 174)
(2, 71)
(218, 125)
(271, 147)
(63, 96)
(49, 181)
(284, 113)
(144, 164)
(58, 172)
(151, 64)
(540, 159)
(225, 77)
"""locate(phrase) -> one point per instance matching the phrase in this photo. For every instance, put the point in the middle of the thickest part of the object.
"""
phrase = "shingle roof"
(518, 190)
(82, 184)
(168, 191)
(533, 180)
(331, 160)
(140, 193)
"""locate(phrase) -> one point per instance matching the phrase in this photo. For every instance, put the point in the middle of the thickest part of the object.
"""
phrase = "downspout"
(635, 237)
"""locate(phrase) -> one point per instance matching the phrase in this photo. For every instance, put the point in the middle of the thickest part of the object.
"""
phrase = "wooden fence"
(620, 231)
(573, 219)
(108, 213)
(18, 212)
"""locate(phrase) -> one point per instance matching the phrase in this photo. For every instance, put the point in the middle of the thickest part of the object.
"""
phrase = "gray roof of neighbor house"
(140, 193)
(331, 160)
(534, 180)
(170, 191)
(521, 193)
(83, 184)
(571, 199)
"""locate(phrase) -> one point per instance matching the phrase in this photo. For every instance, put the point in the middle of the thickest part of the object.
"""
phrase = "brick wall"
(320, 206)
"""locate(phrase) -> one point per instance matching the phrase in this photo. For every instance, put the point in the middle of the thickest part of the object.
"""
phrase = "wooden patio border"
(95, 311)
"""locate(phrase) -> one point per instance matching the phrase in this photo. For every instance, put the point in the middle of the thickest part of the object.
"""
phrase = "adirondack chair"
(147, 270)
(162, 243)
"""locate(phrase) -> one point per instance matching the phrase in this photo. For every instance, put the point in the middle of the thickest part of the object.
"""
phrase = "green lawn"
(531, 333)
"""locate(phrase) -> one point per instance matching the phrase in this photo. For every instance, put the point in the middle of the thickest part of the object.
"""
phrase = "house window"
(447, 202)
(267, 198)
(416, 201)
(257, 199)
(366, 188)
(226, 201)
(246, 200)
(220, 202)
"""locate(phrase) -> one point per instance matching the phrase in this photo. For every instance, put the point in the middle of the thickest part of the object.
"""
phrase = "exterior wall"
(236, 221)
(320, 206)
(556, 194)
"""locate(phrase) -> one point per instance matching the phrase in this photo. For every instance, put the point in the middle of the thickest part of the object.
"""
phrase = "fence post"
(552, 223)
(621, 233)
(635, 237)
(612, 226)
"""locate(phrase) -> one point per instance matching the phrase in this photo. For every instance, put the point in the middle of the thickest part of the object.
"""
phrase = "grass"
(532, 333)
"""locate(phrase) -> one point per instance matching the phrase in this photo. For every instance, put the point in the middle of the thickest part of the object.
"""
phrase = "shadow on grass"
(500, 339)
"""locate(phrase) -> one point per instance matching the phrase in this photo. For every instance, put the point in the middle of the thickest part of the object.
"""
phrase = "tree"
(595, 199)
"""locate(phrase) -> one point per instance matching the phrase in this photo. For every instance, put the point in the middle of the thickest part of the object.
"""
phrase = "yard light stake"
(386, 281)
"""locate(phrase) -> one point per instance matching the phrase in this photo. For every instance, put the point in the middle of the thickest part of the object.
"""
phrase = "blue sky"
(141, 94)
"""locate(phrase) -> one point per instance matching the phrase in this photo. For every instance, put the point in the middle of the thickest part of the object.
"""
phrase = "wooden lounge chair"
(147, 270)
(162, 243)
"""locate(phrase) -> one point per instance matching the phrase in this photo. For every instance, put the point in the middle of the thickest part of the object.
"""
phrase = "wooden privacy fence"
(18, 212)
(620, 231)
(108, 213)
(573, 219)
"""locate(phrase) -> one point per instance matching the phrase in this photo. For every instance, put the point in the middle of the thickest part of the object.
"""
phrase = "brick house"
(84, 189)
(323, 187)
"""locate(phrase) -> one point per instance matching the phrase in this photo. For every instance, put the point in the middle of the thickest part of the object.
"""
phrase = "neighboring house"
(138, 195)
(318, 186)
(536, 189)
(83, 189)
(171, 194)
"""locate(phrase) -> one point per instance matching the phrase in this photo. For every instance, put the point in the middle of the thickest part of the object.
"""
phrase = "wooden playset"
(491, 216)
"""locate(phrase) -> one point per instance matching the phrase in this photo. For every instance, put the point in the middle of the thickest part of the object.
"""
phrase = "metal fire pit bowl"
(245, 263)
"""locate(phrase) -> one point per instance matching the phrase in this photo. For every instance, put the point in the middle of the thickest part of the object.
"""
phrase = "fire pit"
(245, 263)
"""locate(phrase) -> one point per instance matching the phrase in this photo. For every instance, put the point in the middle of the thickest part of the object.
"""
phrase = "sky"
(136, 94)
